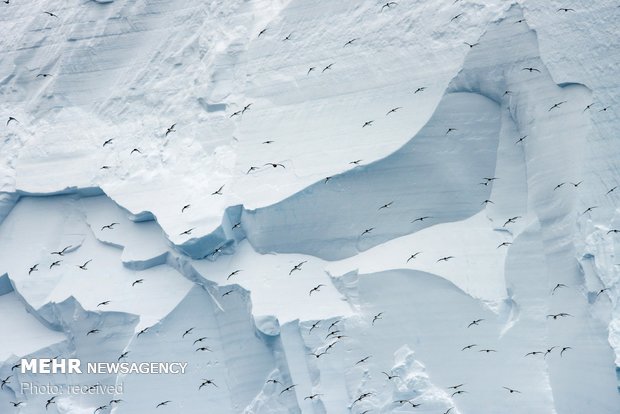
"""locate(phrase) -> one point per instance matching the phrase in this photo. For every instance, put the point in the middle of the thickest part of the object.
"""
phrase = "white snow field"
(320, 206)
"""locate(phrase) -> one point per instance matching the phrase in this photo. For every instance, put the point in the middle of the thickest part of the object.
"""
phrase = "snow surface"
(239, 267)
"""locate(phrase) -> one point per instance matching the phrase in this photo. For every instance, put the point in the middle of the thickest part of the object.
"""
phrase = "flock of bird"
(333, 334)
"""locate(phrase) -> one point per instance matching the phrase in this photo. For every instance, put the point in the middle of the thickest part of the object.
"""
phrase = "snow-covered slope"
(345, 187)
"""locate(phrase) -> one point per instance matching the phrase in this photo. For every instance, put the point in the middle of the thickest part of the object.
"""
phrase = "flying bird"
(413, 256)
(49, 402)
(297, 267)
(261, 32)
(388, 205)
(389, 377)
(273, 381)
(44, 75)
(235, 114)
(456, 17)
(136, 282)
(487, 350)
(521, 139)
(601, 291)
(389, 5)
(83, 266)
(199, 340)
(310, 70)
(559, 315)
(367, 123)
(104, 303)
(445, 259)
(558, 186)
(487, 202)
(504, 244)
(564, 9)
(549, 351)
(471, 44)
(287, 37)
(63, 251)
(206, 382)
(202, 349)
(109, 226)
(576, 184)
(187, 232)
(588, 107)
(11, 119)
(468, 347)
(420, 89)
(135, 150)
(566, 348)
(327, 67)
(236, 272)
(5, 381)
(367, 231)
(511, 220)
(361, 361)
(92, 331)
(274, 165)
(605, 109)
(33, 269)
(377, 317)
(559, 285)
(450, 130)
(246, 108)
(101, 408)
(587, 210)
(319, 355)
(18, 403)
(123, 356)
(557, 105)
(170, 129)
(356, 162)
(315, 289)
(218, 191)
(290, 387)
(531, 69)
(401, 402)
(475, 322)
(185, 207)
(50, 14)
(163, 403)
(421, 218)
(56, 263)
(189, 331)
(350, 42)
(393, 110)
(534, 353)
(510, 390)
(314, 325)
(312, 397)
(108, 141)
(458, 392)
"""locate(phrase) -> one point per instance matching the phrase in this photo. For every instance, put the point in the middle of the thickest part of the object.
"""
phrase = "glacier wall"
(287, 277)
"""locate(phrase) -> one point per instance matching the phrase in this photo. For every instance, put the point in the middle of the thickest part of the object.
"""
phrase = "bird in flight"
(389, 377)
(319, 355)
(56, 263)
(504, 244)
(11, 119)
(458, 392)
(206, 382)
(558, 186)
(187, 332)
(135, 150)
(104, 303)
(356, 162)
(101, 408)
(468, 347)
(18, 403)
(601, 291)
(310, 70)
(420, 89)
(413, 256)
(475, 322)
(367, 123)
(605, 109)
(236, 272)
(511, 220)
(5, 381)
(315, 289)
(218, 191)
(246, 108)
(92, 331)
(203, 348)
(510, 390)
(123, 356)
(33, 269)
(521, 139)
(50, 401)
(559, 315)
(389, 5)
(327, 67)
(445, 259)
(273, 381)
(534, 353)
(137, 282)
(388, 205)
(587, 210)
(361, 397)
(314, 325)
(559, 285)
(377, 317)
(566, 348)
(350, 42)
(556, 105)
(50, 14)
(44, 75)
(109, 226)
(530, 69)
(289, 388)
(235, 114)
(549, 351)
(450, 130)
(63, 251)
(456, 17)
(487, 202)
(170, 129)
(163, 403)
(564, 9)
(297, 267)
(487, 350)
(421, 218)
(361, 361)
(471, 45)
(367, 231)
(576, 184)
(107, 142)
(187, 232)
(199, 340)
(312, 397)
(83, 266)
(274, 165)
(261, 32)
(185, 207)
(287, 37)
(393, 110)
(401, 402)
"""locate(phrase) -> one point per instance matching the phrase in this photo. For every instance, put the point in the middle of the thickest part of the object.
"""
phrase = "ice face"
(422, 212)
